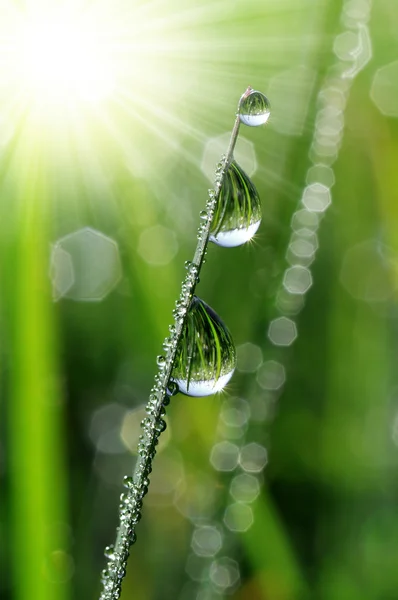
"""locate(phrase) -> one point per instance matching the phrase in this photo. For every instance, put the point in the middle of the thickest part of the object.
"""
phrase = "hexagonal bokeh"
(289, 304)
(238, 516)
(224, 574)
(271, 375)
(304, 218)
(297, 279)
(384, 90)
(316, 197)
(61, 272)
(253, 457)
(356, 11)
(85, 266)
(206, 540)
(244, 488)
(329, 121)
(302, 247)
(235, 412)
(320, 173)
(282, 331)
(354, 46)
(224, 456)
(345, 44)
(216, 147)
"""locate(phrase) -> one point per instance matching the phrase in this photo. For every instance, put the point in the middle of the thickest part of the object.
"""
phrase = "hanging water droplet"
(254, 108)
(206, 356)
(238, 213)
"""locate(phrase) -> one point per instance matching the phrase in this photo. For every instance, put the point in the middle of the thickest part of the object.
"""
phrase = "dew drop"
(161, 361)
(254, 109)
(206, 356)
(128, 482)
(172, 388)
(238, 213)
(109, 551)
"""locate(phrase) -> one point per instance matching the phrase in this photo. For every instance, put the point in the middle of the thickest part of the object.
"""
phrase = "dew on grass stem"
(200, 355)
(238, 213)
(206, 356)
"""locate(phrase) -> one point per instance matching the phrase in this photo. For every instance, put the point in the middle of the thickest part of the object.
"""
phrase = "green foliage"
(324, 524)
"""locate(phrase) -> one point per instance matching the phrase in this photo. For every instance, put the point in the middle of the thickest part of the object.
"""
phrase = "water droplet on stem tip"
(254, 108)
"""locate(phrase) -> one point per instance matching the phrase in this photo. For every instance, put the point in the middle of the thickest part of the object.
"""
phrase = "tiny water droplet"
(206, 356)
(238, 213)
(254, 108)
(203, 215)
(172, 388)
(161, 425)
(161, 360)
(109, 551)
(128, 482)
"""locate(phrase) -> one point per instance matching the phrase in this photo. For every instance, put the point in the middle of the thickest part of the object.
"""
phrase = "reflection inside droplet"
(238, 212)
(236, 237)
(206, 356)
(254, 109)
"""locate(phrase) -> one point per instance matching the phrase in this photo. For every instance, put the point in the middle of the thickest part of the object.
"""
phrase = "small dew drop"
(254, 108)
(172, 388)
(206, 356)
(109, 551)
(128, 482)
(161, 361)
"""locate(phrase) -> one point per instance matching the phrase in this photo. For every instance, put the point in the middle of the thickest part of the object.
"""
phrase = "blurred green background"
(285, 486)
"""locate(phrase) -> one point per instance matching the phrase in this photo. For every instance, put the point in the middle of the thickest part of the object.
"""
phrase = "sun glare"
(117, 86)
(59, 61)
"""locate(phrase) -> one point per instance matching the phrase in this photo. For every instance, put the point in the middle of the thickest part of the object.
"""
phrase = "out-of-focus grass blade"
(41, 566)
(271, 554)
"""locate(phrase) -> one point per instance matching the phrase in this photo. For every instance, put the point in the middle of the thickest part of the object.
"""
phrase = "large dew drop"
(254, 109)
(238, 212)
(206, 356)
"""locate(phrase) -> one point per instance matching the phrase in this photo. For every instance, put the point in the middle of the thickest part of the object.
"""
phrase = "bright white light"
(59, 59)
